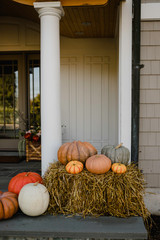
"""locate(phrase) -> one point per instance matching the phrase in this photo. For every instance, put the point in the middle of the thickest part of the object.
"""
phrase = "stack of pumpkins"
(25, 190)
(75, 154)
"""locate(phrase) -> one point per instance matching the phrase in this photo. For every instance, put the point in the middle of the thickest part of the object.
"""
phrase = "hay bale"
(91, 194)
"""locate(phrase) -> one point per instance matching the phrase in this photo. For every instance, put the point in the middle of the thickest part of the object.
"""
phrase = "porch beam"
(50, 15)
(68, 3)
(125, 72)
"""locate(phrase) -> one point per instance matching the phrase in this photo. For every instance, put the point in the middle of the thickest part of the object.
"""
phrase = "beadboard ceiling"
(87, 21)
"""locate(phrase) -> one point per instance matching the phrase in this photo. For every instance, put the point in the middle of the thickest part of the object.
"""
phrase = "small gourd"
(74, 167)
(118, 168)
(33, 199)
(118, 154)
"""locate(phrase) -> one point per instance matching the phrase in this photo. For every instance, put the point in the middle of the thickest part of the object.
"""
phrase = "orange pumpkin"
(21, 179)
(119, 168)
(75, 151)
(98, 164)
(8, 204)
(74, 167)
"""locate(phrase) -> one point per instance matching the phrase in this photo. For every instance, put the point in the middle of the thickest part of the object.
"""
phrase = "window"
(9, 121)
(34, 93)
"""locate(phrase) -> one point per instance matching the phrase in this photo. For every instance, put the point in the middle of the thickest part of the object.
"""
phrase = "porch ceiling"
(78, 22)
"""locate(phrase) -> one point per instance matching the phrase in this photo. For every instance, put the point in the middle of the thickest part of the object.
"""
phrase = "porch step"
(9, 156)
(8, 153)
(76, 227)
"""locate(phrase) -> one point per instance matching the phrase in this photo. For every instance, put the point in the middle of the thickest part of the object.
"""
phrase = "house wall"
(150, 1)
(18, 35)
(149, 155)
(88, 81)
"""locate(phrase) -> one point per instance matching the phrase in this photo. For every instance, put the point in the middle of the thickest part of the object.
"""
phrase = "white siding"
(149, 156)
(150, 1)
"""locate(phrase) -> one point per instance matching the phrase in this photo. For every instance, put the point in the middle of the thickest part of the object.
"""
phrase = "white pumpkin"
(33, 199)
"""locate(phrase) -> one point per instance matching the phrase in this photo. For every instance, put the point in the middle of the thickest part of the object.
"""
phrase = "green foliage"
(8, 106)
(35, 112)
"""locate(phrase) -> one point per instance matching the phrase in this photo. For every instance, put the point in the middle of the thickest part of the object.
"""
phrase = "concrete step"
(9, 153)
(48, 226)
(152, 200)
(9, 156)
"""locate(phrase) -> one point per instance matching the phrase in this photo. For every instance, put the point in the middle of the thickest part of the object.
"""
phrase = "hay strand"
(119, 195)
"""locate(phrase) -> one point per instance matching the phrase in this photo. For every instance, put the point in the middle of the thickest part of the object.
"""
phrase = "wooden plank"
(67, 2)
(83, 2)
(80, 21)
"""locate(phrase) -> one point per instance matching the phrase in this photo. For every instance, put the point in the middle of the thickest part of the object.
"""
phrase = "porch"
(73, 227)
(91, 102)
(48, 226)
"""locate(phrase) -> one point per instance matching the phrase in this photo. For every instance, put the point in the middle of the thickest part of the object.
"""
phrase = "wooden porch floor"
(9, 170)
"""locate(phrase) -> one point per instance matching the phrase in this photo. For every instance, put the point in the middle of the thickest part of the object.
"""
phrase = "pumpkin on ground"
(75, 151)
(74, 167)
(98, 164)
(119, 153)
(21, 179)
(119, 168)
(33, 199)
(8, 204)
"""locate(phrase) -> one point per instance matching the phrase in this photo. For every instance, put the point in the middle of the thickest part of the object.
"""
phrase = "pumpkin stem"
(118, 146)
(27, 174)
(35, 184)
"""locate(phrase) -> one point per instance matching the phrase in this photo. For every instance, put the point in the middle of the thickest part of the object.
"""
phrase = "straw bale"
(119, 195)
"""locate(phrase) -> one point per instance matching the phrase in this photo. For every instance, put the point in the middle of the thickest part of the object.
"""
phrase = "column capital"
(49, 8)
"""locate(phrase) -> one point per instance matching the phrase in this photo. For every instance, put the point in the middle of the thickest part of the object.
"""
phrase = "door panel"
(85, 91)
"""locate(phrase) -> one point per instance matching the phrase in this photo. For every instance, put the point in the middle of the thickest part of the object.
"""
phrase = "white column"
(125, 72)
(50, 14)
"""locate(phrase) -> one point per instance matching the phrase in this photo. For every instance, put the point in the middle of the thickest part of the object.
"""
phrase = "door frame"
(30, 56)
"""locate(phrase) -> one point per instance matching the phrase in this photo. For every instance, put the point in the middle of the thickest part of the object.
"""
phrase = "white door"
(85, 99)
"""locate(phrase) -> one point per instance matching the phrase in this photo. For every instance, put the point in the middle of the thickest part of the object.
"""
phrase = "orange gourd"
(75, 151)
(98, 164)
(21, 179)
(74, 167)
(119, 168)
(8, 204)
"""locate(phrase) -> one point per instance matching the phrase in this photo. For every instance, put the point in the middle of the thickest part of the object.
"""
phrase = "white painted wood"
(125, 74)
(19, 34)
(93, 63)
(150, 11)
(50, 81)
(85, 91)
